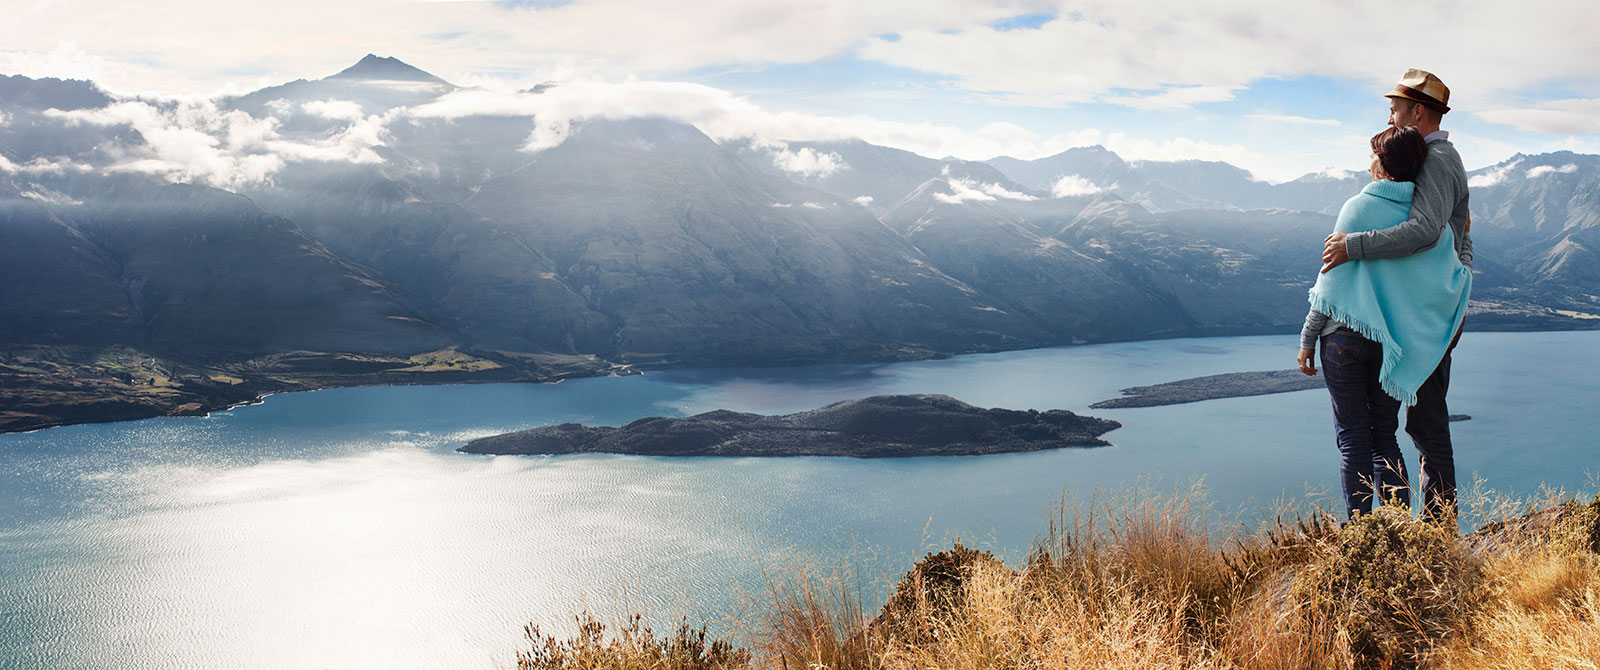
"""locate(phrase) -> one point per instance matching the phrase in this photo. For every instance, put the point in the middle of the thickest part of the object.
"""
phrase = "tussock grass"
(1143, 582)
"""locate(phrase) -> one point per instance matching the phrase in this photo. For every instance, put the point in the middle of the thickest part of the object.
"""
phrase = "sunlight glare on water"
(339, 529)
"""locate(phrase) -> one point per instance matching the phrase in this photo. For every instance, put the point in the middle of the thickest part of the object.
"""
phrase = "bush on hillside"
(633, 647)
(1394, 585)
(931, 593)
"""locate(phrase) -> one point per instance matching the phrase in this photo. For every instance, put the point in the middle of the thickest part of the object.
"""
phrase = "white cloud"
(1493, 176)
(1542, 170)
(460, 40)
(1336, 173)
(188, 141)
(959, 195)
(1071, 185)
(863, 200)
(963, 189)
(49, 197)
(1175, 97)
(1130, 52)
(338, 110)
(724, 117)
(807, 162)
(1002, 192)
(782, 205)
(813, 205)
(280, 108)
(194, 140)
(1557, 117)
(1154, 54)
(1299, 120)
(58, 166)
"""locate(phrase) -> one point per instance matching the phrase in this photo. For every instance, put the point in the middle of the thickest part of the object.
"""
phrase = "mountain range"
(339, 217)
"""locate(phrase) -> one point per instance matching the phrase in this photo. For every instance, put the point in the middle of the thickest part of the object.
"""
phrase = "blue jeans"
(1428, 424)
(1365, 420)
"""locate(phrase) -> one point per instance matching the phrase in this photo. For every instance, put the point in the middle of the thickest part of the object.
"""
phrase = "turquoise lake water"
(338, 529)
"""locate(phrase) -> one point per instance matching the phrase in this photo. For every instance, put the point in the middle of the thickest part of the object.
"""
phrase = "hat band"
(1421, 97)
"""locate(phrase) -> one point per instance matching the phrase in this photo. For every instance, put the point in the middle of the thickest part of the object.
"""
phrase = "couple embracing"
(1388, 305)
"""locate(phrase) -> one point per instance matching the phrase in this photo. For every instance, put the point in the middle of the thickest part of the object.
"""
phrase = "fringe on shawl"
(1391, 350)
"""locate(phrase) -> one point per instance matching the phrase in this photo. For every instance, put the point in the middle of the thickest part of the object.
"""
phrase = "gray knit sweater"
(1440, 198)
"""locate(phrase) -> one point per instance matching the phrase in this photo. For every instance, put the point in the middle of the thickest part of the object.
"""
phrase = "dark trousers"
(1365, 420)
(1428, 424)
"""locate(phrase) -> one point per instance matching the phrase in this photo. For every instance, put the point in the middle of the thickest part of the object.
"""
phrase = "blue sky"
(1281, 89)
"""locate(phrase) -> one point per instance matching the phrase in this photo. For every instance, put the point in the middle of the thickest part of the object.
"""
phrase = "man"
(1421, 100)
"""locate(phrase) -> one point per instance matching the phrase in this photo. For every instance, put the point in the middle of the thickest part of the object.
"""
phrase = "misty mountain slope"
(375, 84)
(460, 268)
(1322, 192)
(57, 286)
(988, 246)
(1095, 165)
(50, 93)
(1093, 170)
(32, 134)
(1223, 270)
(206, 272)
(851, 169)
(1172, 185)
(447, 160)
(694, 251)
(1527, 202)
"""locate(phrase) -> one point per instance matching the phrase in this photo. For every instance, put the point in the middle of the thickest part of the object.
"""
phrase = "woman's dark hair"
(1400, 151)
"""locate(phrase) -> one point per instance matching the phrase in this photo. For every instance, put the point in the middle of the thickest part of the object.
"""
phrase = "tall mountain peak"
(383, 68)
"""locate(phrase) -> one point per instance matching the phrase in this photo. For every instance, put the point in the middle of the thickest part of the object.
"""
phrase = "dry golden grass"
(1143, 583)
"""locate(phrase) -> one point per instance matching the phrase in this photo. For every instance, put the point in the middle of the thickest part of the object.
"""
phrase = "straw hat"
(1423, 87)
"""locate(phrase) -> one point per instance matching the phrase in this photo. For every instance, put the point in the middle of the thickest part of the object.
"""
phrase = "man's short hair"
(1433, 113)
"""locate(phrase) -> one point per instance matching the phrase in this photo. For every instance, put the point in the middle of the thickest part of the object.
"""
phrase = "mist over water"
(338, 528)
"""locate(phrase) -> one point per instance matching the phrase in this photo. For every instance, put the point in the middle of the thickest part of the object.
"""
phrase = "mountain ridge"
(639, 241)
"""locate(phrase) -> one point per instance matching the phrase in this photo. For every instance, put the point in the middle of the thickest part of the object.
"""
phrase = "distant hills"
(328, 216)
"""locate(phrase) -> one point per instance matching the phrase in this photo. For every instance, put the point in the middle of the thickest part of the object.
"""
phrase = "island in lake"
(885, 426)
(1212, 387)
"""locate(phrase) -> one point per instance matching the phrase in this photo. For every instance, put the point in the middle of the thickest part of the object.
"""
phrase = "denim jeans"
(1428, 424)
(1365, 420)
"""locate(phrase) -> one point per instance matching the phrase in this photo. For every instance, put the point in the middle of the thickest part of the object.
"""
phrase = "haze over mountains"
(374, 211)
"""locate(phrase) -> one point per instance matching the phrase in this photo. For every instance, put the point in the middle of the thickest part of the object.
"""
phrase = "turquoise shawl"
(1413, 305)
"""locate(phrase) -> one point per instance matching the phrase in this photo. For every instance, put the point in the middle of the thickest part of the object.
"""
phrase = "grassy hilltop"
(1147, 585)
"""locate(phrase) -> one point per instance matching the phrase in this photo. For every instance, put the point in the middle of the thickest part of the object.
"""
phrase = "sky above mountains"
(1281, 89)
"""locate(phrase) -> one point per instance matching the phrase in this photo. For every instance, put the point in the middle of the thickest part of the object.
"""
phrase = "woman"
(1384, 325)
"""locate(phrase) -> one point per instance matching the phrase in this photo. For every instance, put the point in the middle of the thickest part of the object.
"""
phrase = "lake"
(338, 529)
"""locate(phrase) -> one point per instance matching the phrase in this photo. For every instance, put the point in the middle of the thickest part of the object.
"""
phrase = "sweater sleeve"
(1431, 205)
(1315, 322)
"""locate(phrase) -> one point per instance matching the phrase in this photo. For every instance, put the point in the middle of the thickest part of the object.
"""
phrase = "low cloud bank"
(1542, 170)
(963, 189)
(1073, 185)
(198, 141)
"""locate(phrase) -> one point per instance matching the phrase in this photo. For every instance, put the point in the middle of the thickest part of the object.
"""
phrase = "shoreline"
(271, 383)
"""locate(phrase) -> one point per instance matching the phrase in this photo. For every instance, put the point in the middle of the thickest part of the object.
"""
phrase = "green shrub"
(930, 593)
(1394, 585)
